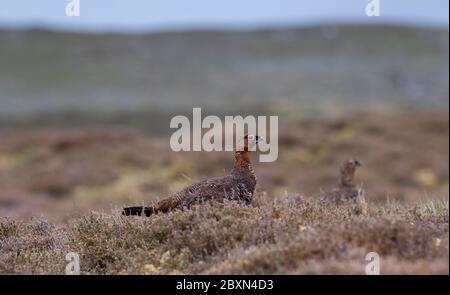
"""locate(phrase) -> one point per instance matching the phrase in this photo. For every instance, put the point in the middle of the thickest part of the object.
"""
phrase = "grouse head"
(352, 164)
(250, 141)
(348, 172)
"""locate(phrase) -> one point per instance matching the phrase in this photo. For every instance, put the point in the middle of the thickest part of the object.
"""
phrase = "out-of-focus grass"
(11, 160)
(405, 156)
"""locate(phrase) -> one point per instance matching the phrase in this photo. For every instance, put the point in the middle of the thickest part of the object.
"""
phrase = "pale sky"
(155, 15)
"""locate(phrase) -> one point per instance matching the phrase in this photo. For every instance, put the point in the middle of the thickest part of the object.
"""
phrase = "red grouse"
(347, 189)
(239, 186)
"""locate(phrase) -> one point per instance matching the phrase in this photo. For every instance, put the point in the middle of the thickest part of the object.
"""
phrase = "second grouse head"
(352, 164)
(348, 172)
(349, 167)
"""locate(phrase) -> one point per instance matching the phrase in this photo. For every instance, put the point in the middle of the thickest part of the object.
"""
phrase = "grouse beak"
(358, 163)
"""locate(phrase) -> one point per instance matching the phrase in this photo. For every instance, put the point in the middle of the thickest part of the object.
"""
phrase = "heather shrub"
(288, 234)
(29, 248)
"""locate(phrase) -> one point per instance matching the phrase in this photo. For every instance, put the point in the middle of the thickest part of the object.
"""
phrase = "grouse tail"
(140, 210)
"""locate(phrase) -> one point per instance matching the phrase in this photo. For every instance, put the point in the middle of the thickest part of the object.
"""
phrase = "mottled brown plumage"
(347, 189)
(238, 186)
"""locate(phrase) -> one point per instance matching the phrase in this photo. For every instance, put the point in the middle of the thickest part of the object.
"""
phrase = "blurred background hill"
(53, 76)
